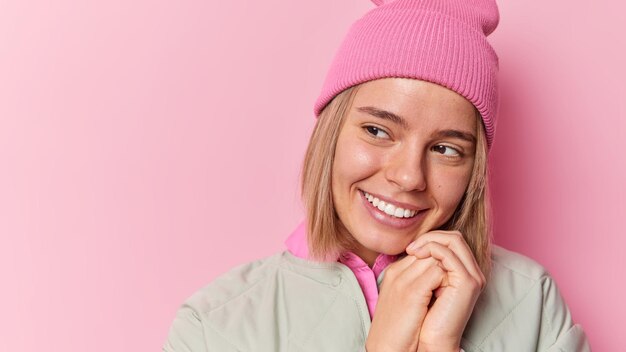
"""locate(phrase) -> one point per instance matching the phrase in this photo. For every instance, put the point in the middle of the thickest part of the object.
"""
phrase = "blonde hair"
(472, 216)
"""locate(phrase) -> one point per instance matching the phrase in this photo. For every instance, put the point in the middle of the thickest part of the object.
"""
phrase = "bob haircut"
(472, 216)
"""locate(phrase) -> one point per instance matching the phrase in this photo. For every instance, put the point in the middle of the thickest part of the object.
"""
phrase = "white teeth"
(389, 209)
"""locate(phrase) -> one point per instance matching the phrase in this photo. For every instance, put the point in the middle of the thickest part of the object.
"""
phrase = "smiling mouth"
(388, 208)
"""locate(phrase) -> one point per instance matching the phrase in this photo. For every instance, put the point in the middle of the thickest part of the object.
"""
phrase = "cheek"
(354, 161)
(450, 187)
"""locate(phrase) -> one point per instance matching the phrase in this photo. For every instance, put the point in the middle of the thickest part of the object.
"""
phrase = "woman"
(395, 252)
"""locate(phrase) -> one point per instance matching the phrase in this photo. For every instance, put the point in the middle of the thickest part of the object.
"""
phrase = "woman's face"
(403, 161)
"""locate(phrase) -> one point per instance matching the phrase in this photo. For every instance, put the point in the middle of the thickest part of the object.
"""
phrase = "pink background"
(148, 146)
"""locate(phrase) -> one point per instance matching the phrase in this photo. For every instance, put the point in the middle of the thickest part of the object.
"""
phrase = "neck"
(368, 256)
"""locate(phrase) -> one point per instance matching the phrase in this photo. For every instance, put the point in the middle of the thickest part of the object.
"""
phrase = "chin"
(387, 247)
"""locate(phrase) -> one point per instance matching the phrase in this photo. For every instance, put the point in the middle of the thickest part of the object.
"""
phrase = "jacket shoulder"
(279, 303)
(521, 306)
(191, 330)
(509, 263)
(233, 283)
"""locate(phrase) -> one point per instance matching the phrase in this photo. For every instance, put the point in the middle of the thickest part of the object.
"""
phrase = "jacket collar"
(296, 242)
(297, 245)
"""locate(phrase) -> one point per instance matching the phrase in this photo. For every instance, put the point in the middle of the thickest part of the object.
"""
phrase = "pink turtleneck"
(367, 277)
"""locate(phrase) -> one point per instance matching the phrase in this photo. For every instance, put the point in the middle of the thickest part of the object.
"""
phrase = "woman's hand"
(445, 321)
(405, 294)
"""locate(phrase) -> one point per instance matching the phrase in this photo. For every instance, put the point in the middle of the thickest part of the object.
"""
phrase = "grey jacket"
(286, 303)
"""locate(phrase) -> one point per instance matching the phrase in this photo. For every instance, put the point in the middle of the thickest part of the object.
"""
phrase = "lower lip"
(388, 220)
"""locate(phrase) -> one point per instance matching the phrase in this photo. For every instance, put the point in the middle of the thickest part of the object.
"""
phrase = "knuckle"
(393, 270)
(483, 281)
(471, 284)
(476, 285)
(437, 270)
(402, 284)
(391, 273)
(428, 245)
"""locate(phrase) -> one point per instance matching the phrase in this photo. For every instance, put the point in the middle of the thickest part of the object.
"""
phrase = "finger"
(446, 256)
(455, 241)
(452, 239)
(458, 277)
(419, 267)
(432, 279)
(402, 264)
(439, 291)
(395, 269)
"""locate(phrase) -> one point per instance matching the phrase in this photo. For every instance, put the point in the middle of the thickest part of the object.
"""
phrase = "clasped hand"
(427, 297)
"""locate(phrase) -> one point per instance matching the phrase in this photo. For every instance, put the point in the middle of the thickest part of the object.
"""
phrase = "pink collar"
(367, 277)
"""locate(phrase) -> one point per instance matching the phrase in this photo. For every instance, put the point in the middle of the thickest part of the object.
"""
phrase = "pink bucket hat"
(440, 41)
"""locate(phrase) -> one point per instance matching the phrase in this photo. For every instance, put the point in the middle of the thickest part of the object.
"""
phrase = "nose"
(406, 168)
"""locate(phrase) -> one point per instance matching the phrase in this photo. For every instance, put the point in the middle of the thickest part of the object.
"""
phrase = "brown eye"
(445, 150)
(376, 132)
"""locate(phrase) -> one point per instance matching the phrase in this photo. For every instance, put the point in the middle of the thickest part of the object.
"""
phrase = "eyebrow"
(384, 114)
(456, 134)
(388, 115)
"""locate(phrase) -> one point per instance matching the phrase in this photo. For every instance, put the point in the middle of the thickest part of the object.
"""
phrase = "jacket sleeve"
(558, 331)
(186, 333)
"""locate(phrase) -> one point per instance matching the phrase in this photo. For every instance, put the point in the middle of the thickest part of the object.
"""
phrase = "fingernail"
(412, 246)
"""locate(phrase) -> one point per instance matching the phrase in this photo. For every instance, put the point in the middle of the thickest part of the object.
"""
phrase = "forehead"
(417, 102)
